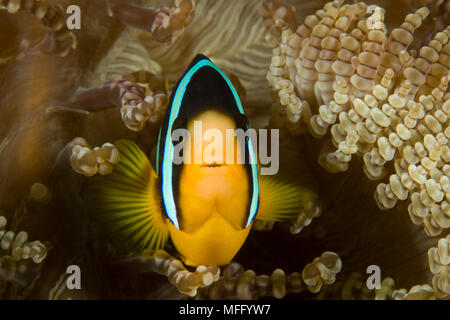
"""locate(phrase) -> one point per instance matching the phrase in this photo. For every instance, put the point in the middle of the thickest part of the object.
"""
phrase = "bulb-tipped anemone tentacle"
(439, 261)
(263, 225)
(141, 97)
(58, 40)
(377, 101)
(354, 287)
(311, 210)
(19, 246)
(276, 12)
(187, 282)
(87, 161)
(234, 282)
(17, 251)
(322, 271)
(165, 23)
(360, 95)
(137, 107)
(238, 283)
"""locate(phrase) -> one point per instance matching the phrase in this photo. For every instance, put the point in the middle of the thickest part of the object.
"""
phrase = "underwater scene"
(224, 150)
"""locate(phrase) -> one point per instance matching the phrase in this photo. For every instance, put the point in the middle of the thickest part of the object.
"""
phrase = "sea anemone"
(343, 77)
(359, 92)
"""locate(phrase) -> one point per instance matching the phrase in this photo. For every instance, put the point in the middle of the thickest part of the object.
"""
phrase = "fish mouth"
(213, 165)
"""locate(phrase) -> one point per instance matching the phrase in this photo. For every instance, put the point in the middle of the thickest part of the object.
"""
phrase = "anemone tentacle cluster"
(17, 250)
(187, 282)
(354, 288)
(87, 161)
(137, 106)
(166, 23)
(439, 261)
(237, 283)
(53, 17)
(340, 74)
(322, 271)
(18, 243)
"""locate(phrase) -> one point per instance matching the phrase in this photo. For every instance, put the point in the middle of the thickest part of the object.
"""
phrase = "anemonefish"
(206, 208)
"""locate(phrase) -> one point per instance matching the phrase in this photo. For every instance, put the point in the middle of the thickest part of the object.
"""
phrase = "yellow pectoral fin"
(126, 201)
(281, 198)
